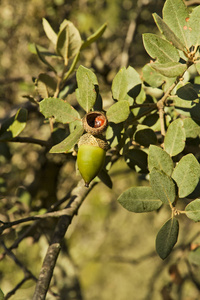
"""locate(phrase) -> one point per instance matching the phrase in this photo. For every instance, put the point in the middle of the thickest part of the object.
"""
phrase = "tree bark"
(78, 195)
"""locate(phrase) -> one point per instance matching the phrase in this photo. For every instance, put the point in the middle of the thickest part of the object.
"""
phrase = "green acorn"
(91, 156)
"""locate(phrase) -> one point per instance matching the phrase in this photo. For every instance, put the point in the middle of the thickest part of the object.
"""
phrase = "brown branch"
(77, 196)
(192, 2)
(29, 140)
(51, 214)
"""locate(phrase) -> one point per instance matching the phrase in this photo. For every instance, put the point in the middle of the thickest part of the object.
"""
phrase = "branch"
(30, 141)
(192, 2)
(77, 197)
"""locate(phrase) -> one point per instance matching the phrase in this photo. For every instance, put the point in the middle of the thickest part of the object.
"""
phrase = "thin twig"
(49, 214)
(78, 195)
(29, 140)
(17, 287)
(18, 262)
(35, 224)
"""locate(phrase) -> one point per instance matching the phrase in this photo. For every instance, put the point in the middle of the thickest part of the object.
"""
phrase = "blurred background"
(108, 253)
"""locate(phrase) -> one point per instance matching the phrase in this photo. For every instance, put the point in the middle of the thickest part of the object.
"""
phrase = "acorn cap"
(89, 139)
(91, 126)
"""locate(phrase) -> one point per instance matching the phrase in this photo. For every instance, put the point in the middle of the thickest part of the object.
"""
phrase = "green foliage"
(187, 174)
(167, 237)
(174, 142)
(1, 295)
(58, 109)
(87, 91)
(153, 121)
(140, 199)
(13, 126)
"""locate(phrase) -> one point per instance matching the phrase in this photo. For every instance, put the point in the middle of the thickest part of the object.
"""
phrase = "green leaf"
(67, 144)
(167, 238)
(69, 41)
(160, 159)
(174, 141)
(193, 210)
(186, 174)
(145, 136)
(175, 15)
(50, 33)
(171, 69)
(105, 178)
(1, 295)
(43, 59)
(187, 92)
(13, 126)
(95, 36)
(152, 77)
(194, 257)
(160, 49)
(197, 64)
(114, 134)
(87, 91)
(194, 25)
(139, 200)
(126, 85)
(192, 128)
(60, 110)
(136, 158)
(72, 67)
(118, 112)
(168, 33)
(163, 186)
(45, 85)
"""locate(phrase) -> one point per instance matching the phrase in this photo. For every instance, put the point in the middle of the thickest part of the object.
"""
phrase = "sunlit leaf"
(160, 49)
(87, 91)
(192, 128)
(60, 110)
(126, 85)
(95, 36)
(118, 112)
(168, 33)
(160, 159)
(187, 174)
(67, 144)
(171, 69)
(174, 141)
(193, 210)
(69, 41)
(194, 25)
(45, 85)
(152, 77)
(176, 16)
(13, 126)
(49, 31)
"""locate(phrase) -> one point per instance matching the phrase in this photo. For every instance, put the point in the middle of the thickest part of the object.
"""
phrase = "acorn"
(95, 122)
(91, 156)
